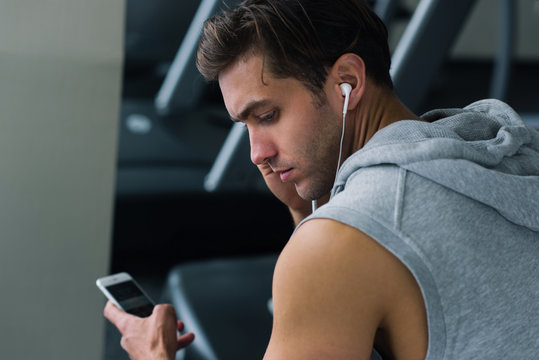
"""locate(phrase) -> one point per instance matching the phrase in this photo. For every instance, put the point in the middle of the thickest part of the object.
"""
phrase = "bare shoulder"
(334, 289)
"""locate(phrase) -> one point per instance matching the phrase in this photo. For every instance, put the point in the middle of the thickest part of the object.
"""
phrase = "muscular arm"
(334, 289)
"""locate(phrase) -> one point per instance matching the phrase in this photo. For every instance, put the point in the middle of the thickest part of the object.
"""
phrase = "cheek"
(326, 135)
(306, 131)
(296, 136)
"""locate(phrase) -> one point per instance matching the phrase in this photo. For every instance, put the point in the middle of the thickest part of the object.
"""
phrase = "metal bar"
(502, 66)
(424, 45)
(183, 84)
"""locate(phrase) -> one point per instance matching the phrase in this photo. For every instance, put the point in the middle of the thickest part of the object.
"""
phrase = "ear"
(349, 68)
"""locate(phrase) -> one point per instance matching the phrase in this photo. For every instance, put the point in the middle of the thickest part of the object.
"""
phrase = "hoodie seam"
(399, 198)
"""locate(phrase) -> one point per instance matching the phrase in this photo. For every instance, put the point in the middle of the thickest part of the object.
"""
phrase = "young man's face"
(288, 128)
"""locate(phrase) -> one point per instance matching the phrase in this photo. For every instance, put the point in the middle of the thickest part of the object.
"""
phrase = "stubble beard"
(322, 154)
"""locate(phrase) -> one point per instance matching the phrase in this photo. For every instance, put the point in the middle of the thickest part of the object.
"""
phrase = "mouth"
(284, 174)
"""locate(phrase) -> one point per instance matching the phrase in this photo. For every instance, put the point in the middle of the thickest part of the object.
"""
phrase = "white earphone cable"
(345, 108)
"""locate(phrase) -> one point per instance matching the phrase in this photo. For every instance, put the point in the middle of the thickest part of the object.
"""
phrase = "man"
(429, 245)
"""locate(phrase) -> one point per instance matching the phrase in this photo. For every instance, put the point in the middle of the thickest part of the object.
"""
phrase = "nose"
(262, 148)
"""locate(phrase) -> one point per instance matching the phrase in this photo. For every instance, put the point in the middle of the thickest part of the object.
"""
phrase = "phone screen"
(131, 298)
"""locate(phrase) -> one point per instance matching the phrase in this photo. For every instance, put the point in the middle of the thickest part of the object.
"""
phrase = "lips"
(285, 174)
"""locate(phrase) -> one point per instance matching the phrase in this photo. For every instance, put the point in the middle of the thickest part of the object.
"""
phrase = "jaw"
(313, 188)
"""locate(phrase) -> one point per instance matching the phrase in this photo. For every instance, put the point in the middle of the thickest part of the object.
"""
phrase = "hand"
(153, 337)
(286, 192)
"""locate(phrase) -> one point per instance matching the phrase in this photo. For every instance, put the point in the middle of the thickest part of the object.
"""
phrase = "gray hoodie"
(456, 199)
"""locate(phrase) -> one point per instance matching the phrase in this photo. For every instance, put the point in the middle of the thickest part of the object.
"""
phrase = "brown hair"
(298, 38)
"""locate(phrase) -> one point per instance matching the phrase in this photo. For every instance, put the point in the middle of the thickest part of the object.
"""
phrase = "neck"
(378, 108)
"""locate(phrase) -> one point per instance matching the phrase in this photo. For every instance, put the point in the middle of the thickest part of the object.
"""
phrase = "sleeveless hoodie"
(456, 200)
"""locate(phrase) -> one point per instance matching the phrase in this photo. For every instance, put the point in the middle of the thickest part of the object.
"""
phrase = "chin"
(304, 193)
(310, 193)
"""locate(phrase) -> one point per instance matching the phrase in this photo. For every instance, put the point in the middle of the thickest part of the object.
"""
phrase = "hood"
(484, 151)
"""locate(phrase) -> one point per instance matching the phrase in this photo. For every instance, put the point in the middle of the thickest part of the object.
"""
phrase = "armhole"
(404, 250)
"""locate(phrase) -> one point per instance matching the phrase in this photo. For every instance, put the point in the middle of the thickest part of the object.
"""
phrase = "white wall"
(60, 76)
(479, 36)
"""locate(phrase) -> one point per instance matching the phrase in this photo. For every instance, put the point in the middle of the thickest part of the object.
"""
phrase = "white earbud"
(346, 89)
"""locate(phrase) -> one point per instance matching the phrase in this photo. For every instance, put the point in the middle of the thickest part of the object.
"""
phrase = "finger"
(180, 325)
(185, 340)
(111, 311)
(116, 316)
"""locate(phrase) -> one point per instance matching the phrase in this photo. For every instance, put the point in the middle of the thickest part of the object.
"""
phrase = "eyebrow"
(250, 108)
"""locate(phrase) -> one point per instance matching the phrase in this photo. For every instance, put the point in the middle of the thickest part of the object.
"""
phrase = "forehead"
(246, 76)
(249, 69)
(247, 80)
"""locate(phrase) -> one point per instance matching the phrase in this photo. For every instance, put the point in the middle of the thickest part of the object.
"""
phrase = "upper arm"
(330, 293)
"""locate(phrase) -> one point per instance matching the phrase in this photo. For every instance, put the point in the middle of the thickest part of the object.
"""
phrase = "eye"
(267, 117)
